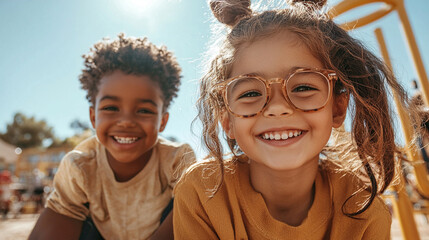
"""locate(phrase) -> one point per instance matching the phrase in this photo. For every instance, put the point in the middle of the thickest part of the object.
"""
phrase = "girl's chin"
(282, 163)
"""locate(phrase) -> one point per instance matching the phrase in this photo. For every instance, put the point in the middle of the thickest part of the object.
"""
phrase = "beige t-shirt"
(120, 210)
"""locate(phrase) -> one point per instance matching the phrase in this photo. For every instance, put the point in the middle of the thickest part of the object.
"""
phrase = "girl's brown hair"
(363, 76)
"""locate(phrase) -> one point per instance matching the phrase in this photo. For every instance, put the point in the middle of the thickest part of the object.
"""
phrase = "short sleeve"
(69, 197)
(381, 221)
(183, 158)
(190, 219)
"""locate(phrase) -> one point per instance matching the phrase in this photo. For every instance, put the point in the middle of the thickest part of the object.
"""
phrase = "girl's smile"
(280, 82)
(281, 137)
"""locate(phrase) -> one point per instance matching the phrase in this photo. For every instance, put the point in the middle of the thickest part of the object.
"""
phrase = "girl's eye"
(303, 88)
(110, 108)
(250, 94)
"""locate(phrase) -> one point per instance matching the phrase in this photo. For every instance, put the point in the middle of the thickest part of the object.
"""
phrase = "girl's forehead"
(272, 44)
(274, 54)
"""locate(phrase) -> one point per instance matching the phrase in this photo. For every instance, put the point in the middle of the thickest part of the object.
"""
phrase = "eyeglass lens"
(305, 90)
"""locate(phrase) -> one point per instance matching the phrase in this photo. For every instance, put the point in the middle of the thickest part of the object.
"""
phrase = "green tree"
(26, 132)
(79, 126)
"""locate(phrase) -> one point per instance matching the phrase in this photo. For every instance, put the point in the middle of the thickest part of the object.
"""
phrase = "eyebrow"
(141, 100)
(109, 97)
(282, 73)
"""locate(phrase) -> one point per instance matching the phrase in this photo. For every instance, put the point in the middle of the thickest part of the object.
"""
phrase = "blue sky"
(42, 43)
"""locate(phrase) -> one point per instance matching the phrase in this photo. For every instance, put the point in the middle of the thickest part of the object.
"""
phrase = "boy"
(122, 179)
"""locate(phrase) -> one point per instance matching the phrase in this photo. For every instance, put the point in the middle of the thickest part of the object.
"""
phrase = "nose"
(126, 122)
(277, 105)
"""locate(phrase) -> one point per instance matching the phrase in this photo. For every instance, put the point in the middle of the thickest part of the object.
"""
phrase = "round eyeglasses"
(306, 89)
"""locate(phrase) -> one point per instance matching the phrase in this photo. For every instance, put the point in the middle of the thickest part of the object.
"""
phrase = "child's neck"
(126, 171)
(288, 195)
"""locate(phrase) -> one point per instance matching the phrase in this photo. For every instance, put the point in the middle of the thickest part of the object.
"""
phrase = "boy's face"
(128, 115)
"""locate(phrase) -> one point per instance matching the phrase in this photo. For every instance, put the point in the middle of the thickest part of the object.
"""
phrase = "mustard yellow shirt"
(120, 210)
(237, 211)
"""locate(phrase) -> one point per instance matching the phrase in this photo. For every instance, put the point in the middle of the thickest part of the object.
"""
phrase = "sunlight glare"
(139, 8)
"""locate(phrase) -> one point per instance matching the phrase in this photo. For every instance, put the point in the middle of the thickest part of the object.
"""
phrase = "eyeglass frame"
(330, 76)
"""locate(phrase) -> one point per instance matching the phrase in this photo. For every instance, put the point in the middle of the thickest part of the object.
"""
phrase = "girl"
(281, 82)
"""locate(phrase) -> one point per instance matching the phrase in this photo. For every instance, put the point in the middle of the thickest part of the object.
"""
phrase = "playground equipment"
(401, 204)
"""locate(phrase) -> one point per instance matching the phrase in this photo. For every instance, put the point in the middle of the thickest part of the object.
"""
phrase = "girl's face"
(307, 132)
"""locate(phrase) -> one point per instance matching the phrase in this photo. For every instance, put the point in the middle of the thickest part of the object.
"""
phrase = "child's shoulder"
(167, 147)
(209, 168)
(85, 153)
(203, 169)
(205, 177)
(174, 156)
(345, 184)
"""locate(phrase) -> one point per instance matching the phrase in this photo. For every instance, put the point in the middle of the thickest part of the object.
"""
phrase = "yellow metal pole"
(420, 169)
(421, 72)
(401, 204)
(348, 5)
(402, 208)
(419, 166)
(389, 6)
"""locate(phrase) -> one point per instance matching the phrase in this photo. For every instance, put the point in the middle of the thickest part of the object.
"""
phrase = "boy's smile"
(281, 137)
(127, 116)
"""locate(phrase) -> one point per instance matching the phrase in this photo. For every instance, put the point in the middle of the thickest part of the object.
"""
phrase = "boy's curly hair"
(132, 56)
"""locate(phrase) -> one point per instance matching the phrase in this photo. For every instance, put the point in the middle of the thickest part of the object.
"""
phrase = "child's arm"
(52, 225)
(190, 219)
(165, 231)
(380, 222)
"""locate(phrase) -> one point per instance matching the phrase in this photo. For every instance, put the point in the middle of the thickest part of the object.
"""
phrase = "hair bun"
(230, 12)
(317, 3)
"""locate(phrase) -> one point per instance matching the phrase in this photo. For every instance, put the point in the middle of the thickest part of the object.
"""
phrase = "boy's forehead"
(126, 85)
(120, 78)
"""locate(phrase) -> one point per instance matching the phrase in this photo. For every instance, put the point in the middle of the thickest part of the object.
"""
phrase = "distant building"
(8, 156)
(46, 160)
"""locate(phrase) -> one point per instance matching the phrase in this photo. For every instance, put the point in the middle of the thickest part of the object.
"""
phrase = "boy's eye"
(109, 108)
(146, 111)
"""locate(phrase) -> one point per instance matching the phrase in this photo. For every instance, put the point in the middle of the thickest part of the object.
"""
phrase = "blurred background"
(43, 111)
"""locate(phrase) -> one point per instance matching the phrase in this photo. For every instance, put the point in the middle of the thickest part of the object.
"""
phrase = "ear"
(92, 116)
(339, 112)
(164, 121)
(227, 125)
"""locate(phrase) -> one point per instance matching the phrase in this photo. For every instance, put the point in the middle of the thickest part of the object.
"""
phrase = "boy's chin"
(128, 157)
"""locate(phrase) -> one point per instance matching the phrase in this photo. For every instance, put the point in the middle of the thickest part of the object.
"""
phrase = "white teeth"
(285, 136)
(281, 135)
(125, 140)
